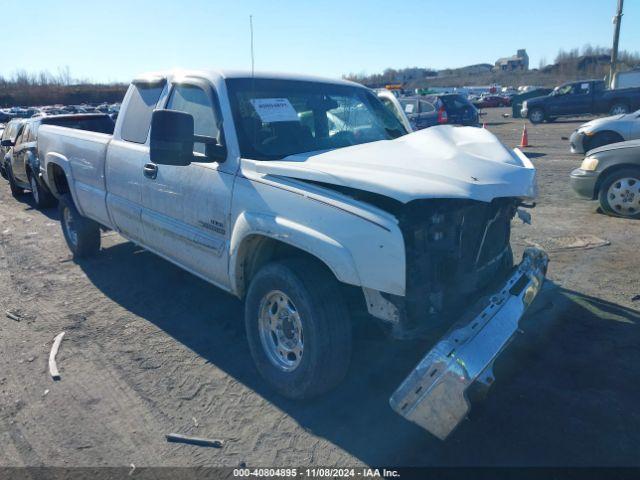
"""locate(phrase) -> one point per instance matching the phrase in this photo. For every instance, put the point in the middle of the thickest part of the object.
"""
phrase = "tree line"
(26, 89)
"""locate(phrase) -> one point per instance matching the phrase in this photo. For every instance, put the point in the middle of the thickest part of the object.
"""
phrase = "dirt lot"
(150, 349)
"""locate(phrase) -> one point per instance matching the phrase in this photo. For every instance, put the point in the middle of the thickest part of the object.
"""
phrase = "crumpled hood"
(438, 162)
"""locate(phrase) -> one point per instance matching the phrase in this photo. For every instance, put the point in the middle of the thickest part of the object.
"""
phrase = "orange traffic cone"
(524, 141)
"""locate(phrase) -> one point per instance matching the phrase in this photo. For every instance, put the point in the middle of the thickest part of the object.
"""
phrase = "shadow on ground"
(567, 389)
(26, 199)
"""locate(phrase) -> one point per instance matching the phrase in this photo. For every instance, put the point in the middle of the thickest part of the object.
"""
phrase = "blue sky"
(108, 40)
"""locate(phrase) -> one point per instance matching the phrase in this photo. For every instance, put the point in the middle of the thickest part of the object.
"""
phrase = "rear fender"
(51, 162)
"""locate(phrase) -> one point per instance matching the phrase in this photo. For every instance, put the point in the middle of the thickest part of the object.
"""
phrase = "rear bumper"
(434, 394)
(583, 182)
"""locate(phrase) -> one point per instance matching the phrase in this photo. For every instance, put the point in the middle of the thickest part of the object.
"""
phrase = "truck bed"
(84, 155)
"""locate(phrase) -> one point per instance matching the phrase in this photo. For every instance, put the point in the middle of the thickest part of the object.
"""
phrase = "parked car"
(581, 98)
(459, 110)
(10, 132)
(218, 173)
(22, 166)
(603, 131)
(490, 101)
(611, 174)
(421, 113)
(390, 101)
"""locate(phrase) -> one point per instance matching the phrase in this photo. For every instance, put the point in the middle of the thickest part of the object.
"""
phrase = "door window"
(426, 107)
(22, 135)
(582, 88)
(195, 101)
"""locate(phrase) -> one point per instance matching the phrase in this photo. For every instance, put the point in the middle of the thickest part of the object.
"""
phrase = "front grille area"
(454, 249)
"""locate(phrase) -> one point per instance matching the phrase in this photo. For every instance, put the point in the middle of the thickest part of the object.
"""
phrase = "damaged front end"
(455, 251)
(460, 277)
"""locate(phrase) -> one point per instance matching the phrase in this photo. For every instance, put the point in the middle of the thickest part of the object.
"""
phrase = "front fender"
(332, 253)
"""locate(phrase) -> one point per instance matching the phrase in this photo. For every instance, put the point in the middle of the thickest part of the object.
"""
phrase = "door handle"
(151, 170)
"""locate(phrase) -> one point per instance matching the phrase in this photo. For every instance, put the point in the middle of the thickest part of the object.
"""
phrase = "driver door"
(185, 209)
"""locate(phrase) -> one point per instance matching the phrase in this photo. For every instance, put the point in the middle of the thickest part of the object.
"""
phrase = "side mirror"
(6, 143)
(171, 138)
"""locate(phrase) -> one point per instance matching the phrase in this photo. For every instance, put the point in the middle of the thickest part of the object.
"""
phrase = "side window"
(137, 118)
(582, 88)
(31, 135)
(426, 107)
(22, 135)
(195, 101)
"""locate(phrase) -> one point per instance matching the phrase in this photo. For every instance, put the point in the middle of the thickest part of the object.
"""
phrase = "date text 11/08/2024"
(315, 472)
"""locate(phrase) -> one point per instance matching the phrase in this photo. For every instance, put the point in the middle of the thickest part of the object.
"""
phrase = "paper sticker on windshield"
(408, 108)
(275, 110)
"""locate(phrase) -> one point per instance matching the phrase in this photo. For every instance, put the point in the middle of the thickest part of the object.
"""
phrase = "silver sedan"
(604, 131)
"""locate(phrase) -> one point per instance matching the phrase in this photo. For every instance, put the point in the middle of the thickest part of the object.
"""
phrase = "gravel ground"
(150, 350)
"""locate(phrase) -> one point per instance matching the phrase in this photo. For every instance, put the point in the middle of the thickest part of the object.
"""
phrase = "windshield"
(277, 118)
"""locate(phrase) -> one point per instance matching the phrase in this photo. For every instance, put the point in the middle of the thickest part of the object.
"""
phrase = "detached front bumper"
(434, 394)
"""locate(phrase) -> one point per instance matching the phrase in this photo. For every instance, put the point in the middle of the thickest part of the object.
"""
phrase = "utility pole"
(617, 19)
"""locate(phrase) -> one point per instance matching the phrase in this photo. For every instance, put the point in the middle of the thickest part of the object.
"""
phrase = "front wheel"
(298, 328)
(16, 191)
(620, 193)
(536, 115)
(81, 234)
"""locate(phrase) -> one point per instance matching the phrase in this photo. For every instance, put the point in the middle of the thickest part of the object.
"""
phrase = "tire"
(41, 196)
(619, 193)
(16, 191)
(314, 305)
(81, 234)
(603, 138)
(536, 115)
(619, 108)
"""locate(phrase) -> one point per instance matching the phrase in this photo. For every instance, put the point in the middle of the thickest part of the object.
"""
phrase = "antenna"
(251, 29)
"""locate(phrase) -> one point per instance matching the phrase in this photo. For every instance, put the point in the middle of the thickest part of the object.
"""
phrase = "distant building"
(519, 61)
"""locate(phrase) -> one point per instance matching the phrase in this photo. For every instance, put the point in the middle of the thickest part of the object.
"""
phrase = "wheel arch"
(57, 176)
(257, 239)
(621, 101)
(601, 133)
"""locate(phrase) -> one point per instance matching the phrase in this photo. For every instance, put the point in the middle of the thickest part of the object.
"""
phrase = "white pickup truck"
(297, 193)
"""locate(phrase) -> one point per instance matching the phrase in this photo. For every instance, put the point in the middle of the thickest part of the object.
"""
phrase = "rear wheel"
(298, 328)
(536, 115)
(41, 196)
(620, 193)
(619, 109)
(81, 234)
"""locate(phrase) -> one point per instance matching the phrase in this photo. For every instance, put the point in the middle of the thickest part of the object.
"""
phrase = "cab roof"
(215, 75)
